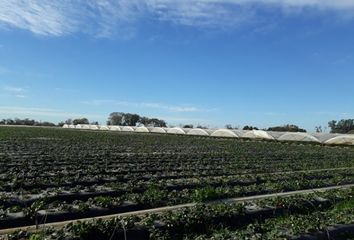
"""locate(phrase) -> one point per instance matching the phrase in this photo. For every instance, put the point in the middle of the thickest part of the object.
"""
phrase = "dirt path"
(176, 207)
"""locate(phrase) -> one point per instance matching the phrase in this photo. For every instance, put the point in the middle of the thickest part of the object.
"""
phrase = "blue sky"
(254, 62)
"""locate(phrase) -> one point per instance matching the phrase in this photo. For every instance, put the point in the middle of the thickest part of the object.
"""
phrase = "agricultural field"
(49, 175)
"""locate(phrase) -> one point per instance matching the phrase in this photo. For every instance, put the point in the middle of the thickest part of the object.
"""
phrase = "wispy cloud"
(329, 113)
(104, 17)
(161, 106)
(66, 90)
(42, 112)
(18, 92)
(183, 120)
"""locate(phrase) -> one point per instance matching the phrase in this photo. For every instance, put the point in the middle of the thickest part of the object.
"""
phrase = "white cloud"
(66, 90)
(182, 120)
(161, 106)
(41, 112)
(16, 91)
(40, 17)
(105, 17)
(329, 113)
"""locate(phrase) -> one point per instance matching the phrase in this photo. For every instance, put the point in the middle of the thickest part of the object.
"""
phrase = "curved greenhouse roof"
(127, 129)
(141, 129)
(157, 130)
(186, 130)
(224, 133)
(239, 132)
(298, 137)
(72, 126)
(78, 126)
(65, 126)
(257, 134)
(209, 131)
(85, 126)
(114, 128)
(323, 137)
(198, 132)
(275, 134)
(94, 127)
(175, 131)
(106, 128)
(343, 139)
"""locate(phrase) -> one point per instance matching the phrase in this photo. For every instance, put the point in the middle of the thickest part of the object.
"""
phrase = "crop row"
(275, 218)
(66, 206)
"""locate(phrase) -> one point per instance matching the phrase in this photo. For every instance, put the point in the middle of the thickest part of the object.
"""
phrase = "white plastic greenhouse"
(157, 130)
(114, 128)
(94, 127)
(85, 126)
(175, 130)
(224, 133)
(127, 129)
(344, 139)
(142, 129)
(105, 128)
(275, 135)
(298, 137)
(325, 138)
(198, 132)
(186, 130)
(257, 134)
(209, 131)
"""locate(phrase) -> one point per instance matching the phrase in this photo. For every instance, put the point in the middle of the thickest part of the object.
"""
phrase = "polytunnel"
(127, 129)
(239, 132)
(142, 129)
(324, 137)
(105, 128)
(94, 127)
(343, 139)
(209, 131)
(186, 130)
(72, 126)
(298, 137)
(224, 133)
(85, 126)
(78, 126)
(275, 134)
(198, 132)
(157, 130)
(65, 126)
(175, 131)
(257, 134)
(114, 128)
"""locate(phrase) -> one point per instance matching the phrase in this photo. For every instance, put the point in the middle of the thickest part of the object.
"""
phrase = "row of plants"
(80, 206)
(273, 218)
(298, 226)
(139, 183)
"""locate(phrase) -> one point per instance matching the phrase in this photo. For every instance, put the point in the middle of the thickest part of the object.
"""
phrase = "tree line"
(25, 122)
(283, 128)
(133, 119)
